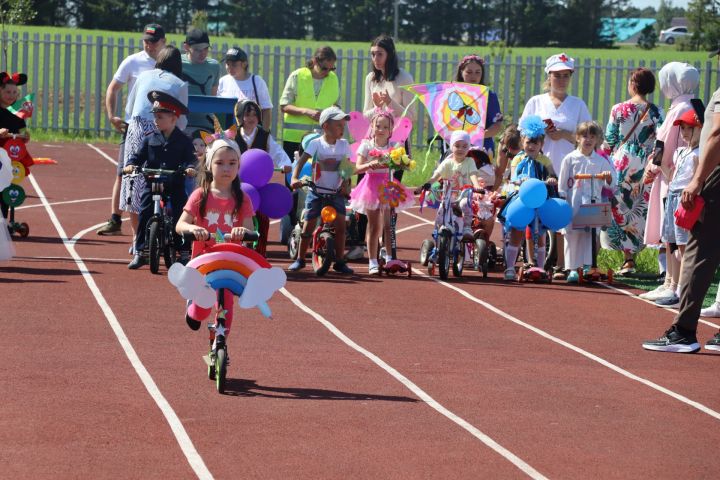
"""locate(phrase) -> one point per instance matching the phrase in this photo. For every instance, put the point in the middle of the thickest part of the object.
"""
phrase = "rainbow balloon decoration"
(246, 273)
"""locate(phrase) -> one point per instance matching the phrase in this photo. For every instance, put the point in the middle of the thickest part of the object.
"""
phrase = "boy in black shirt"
(168, 150)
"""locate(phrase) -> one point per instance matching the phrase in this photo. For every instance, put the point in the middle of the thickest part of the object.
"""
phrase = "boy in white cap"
(460, 170)
(327, 151)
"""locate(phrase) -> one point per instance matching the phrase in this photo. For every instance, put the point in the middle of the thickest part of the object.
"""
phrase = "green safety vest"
(296, 126)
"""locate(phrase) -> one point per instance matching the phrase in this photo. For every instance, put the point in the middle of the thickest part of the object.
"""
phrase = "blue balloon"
(555, 213)
(305, 172)
(265, 310)
(517, 215)
(533, 193)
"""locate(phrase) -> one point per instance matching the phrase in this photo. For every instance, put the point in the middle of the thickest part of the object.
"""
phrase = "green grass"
(647, 267)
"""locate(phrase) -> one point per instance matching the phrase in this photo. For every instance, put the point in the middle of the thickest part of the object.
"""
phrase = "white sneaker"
(356, 253)
(510, 274)
(712, 311)
(653, 294)
(666, 294)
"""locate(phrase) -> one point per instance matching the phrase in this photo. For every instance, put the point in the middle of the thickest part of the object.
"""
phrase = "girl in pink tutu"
(367, 196)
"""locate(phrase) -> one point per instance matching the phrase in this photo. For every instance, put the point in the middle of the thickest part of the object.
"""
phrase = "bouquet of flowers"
(395, 159)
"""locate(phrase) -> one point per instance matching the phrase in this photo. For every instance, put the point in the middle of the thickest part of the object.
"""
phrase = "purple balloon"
(275, 200)
(251, 192)
(256, 167)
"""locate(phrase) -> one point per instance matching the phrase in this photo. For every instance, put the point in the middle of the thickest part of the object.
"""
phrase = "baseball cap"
(332, 113)
(153, 32)
(197, 38)
(236, 54)
(559, 62)
(688, 118)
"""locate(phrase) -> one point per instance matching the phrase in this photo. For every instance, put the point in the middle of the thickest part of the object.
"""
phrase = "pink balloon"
(256, 167)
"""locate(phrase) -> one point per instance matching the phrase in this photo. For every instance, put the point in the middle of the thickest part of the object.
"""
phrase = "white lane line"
(87, 259)
(576, 349)
(502, 451)
(405, 229)
(103, 154)
(191, 454)
(418, 217)
(626, 292)
(63, 203)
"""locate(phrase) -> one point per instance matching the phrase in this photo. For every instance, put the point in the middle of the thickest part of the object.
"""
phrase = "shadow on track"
(250, 388)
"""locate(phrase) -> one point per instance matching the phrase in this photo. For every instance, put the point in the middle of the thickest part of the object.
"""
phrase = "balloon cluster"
(555, 213)
(256, 169)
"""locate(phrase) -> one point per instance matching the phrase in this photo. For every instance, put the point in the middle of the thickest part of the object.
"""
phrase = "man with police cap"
(170, 149)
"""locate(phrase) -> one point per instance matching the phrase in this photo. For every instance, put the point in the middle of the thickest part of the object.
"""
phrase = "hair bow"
(15, 78)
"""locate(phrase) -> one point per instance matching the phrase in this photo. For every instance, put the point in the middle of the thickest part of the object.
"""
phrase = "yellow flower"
(412, 165)
(397, 153)
(405, 159)
(396, 160)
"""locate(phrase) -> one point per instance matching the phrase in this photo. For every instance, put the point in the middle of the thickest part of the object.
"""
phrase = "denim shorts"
(671, 232)
(313, 205)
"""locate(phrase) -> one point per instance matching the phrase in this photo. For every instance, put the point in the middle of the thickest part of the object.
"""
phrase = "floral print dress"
(629, 155)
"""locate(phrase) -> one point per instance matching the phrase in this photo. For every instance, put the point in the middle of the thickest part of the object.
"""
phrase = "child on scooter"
(461, 171)
(327, 152)
(530, 163)
(219, 204)
(583, 160)
(365, 197)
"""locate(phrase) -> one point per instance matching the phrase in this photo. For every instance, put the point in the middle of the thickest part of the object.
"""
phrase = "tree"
(648, 38)
(664, 15)
(704, 24)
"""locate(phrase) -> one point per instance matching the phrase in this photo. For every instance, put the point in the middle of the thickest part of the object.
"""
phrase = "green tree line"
(570, 23)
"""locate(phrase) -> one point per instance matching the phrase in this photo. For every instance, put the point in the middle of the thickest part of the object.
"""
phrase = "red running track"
(355, 377)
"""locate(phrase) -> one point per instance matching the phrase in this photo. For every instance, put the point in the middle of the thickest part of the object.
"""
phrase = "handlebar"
(20, 136)
(310, 184)
(157, 172)
(247, 237)
(587, 176)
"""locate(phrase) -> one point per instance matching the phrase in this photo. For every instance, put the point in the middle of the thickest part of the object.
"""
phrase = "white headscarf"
(678, 78)
(459, 135)
(217, 145)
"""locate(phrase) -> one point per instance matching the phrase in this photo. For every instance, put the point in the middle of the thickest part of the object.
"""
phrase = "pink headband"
(471, 58)
(379, 113)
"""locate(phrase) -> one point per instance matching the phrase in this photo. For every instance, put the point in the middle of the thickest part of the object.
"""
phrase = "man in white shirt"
(128, 71)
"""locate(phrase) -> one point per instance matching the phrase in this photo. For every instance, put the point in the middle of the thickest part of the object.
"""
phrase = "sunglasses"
(328, 69)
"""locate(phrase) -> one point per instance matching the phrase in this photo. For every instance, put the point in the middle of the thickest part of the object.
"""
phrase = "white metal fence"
(69, 75)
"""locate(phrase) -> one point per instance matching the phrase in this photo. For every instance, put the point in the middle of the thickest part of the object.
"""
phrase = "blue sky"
(655, 3)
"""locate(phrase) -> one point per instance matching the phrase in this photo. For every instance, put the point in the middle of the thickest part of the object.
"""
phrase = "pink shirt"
(218, 216)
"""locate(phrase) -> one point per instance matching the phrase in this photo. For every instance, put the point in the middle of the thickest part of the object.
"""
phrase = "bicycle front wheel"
(220, 369)
(154, 244)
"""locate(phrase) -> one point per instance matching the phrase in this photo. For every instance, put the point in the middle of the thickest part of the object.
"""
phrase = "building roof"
(622, 29)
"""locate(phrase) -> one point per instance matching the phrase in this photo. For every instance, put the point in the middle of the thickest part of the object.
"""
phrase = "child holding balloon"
(528, 164)
(365, 197)
(219, 204)
(583, 160)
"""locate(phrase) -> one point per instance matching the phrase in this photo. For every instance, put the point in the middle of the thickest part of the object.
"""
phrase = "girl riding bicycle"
(219, 205)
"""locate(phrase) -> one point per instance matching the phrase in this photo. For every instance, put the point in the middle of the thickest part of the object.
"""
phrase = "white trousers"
(578, 248)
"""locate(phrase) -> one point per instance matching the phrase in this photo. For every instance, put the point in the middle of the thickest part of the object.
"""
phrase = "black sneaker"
(713, 343)
(674, 341)
(192, 323)
(341, 267)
